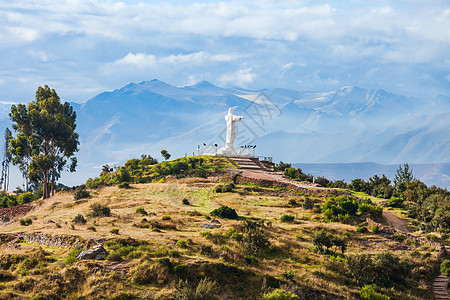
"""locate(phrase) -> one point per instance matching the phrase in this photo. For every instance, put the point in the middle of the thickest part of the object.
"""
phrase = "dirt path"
(396, 222)
(440, 283)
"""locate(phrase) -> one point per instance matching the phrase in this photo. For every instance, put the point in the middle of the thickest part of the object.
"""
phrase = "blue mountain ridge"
(348, 125)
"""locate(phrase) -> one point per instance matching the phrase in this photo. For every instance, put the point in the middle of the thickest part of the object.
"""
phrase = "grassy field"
(159, 250)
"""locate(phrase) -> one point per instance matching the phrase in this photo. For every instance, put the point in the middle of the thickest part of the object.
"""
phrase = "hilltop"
(346, 125)
(195, 228)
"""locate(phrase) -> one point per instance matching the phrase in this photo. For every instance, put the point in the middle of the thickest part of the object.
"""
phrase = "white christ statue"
(231, 133)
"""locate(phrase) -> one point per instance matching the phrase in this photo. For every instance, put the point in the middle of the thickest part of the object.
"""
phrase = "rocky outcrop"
(210, 226)
(97, 252)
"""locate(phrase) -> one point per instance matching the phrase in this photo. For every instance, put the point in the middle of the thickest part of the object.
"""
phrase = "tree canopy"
(45, 138)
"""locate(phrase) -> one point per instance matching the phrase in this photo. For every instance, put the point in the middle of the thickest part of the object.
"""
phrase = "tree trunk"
(45, 186)
(53, 181)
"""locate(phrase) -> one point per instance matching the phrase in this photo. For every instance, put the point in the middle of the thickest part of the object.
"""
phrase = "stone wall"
(57, 241)
(289, 186)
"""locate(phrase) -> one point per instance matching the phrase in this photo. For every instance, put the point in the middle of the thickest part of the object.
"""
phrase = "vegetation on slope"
(147, 169)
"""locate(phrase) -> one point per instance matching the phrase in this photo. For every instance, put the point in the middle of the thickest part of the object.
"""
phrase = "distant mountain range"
(349, 125)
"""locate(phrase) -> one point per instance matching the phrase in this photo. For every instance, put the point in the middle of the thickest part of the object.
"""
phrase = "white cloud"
(240, 77)
(139, 60)
(112, 42)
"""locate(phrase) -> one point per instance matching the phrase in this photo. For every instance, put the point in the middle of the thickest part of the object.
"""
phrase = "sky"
(84, 47)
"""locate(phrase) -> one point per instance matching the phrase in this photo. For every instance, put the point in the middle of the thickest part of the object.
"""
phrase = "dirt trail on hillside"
(396, 222)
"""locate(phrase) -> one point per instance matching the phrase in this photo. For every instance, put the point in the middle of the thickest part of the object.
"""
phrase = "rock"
(5, 219)
(97, 252)
(210, 226)
(215, 221)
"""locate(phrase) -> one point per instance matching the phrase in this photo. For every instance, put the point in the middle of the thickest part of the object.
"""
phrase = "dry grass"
(314, 273)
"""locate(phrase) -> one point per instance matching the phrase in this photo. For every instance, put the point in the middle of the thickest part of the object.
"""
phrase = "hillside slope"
(164, 244)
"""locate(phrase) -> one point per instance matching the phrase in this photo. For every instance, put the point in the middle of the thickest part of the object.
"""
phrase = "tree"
(165, 154)
(4, 180)
(45, 139)
(403, 176)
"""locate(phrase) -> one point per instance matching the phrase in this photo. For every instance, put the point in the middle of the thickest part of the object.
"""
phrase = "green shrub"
(292, 202)
(81, 193)
(361, 229)
(287, 218)
(395, 202)
(279, 294)
(205, 289)
(99, 210)
(225, 212)
(383, 269)
(123, 185)
(114, 231)
(181, 244)
(308, 203)
(72, 256)
(25, 198)
(288, 275)
(322, 238)
(369, 292)
(141, 211)
(166, 218)
(79, 219)
(185, 201)
(254, 239)
(92, 228)
(26, 221)
(375, 229)
(445, 267)
(225, 188)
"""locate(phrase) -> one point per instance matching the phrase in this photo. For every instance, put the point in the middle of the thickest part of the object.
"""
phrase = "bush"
(72, 256)
(123, 185)
(114, 231)
(225, 212)
(383, 269)
(185, 201)
(292, 202)
(81, 193)
(308, 203)
(361, 229)
(445, 267)
(395, 202)
(166, 218)
(279, 294)
(287, 218)
(79, 219)
(375, 229)
(26, 221)
(369, 292)
(205, 289)
(254, 240)
(225, 188)
(181, 244)
(141, 211)
(326, 239)
(99, 210)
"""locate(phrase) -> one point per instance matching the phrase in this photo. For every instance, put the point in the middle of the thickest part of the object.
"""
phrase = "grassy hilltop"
(155, 222)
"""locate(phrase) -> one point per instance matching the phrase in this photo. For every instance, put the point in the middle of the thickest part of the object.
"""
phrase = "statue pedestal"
(228, 151)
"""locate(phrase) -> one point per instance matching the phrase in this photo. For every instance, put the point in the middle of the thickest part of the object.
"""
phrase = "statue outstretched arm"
(238, 118)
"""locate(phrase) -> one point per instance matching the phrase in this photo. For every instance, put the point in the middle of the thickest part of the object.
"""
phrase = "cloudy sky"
(84, 47)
